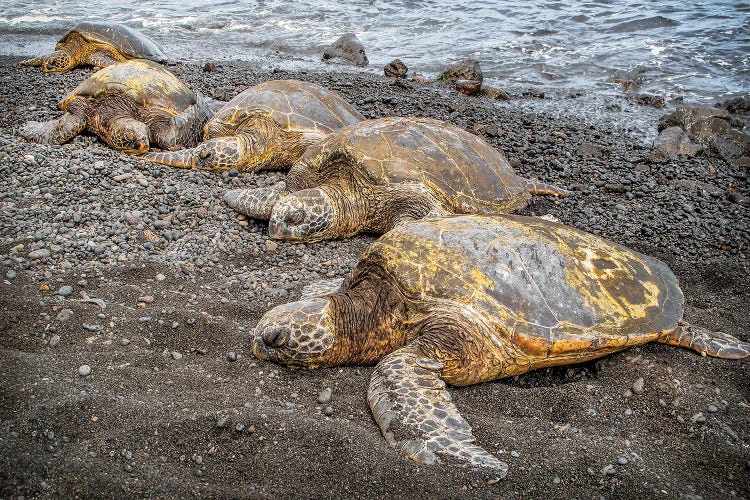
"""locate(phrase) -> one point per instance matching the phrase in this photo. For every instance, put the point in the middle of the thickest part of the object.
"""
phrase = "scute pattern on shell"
(145, 82)
(294, 105)
(575, 292)
(127, 40)
(469, 174)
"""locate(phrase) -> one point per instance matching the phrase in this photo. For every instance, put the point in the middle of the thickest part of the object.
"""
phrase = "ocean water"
(696, 51)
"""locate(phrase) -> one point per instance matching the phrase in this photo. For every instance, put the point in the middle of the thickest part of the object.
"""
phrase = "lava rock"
(347, 48)
(395, 69)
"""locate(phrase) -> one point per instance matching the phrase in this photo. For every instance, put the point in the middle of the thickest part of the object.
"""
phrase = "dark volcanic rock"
(395, 69)
(655, 101)
(675, 141)
(465, 70)
(494, 93)
(347, 48)
(469, 87)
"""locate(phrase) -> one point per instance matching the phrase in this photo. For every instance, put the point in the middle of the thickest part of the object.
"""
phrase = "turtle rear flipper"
(716, 344)
(255, 203)
(415, 413)
(57, 131)
(542, 188)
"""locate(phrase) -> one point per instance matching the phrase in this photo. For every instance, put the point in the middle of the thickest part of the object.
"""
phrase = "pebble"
(54, 340)
(91, 327)
(176, 355)
(638, 385)
(622, 460)
(160, 277)
(698, 418)
(11, 274)
(222, 422)
(124, 341)
(64, 315)
(608, 470)
(232, 356)
(239, 427)
(325, 396)
(328, 411)
(146, 299)
(39, 254)
(84, 370)
(712, 408)
(271, 246)
(514, 454)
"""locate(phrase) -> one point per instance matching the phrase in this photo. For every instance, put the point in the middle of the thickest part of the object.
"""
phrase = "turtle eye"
(295, 217)
(276, 338)
(204, 154)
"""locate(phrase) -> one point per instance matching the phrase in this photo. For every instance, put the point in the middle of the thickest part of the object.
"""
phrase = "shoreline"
(180, 424)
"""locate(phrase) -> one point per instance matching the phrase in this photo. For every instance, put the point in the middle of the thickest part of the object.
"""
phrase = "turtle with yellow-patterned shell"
(467, 299)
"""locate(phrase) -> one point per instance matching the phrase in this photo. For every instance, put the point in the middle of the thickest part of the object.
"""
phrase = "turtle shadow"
(554, 376)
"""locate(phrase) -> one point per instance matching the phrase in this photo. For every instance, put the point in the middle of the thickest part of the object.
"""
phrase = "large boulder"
(673, 141)
(347, 48)
(395, 69)
(465, 70)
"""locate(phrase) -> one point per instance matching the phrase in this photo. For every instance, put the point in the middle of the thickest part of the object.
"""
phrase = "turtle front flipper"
(415, 413)
(101, 59)
(716, 344)
(255, 203)
(35, 61)
(321, 288)
(57, 131)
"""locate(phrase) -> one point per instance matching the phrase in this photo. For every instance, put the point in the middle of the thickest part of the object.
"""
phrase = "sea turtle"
(267, 126)
(98, 44)
(467, 299)
(369, 176)
(129, 105)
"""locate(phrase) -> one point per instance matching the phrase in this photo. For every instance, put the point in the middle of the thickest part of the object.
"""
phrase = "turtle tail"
(542, 188)
(706, 342)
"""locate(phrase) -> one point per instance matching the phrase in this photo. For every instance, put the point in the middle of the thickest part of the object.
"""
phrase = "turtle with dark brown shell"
(130, 105)
(98, 44)
(267, 126)
(468, 299)
(370, 176)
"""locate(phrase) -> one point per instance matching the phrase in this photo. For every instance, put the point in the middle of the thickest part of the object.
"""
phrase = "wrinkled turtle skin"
(369, 176)
(468, 299)
(98, 44)
(129, 105)
(267, 126)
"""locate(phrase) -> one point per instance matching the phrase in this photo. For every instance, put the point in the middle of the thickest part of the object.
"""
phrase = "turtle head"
(57, 62)
(297, 334)
(129, 136)
(307, 215)
(223, 153)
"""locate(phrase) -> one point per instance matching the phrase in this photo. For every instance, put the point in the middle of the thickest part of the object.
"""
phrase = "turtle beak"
(186, 158)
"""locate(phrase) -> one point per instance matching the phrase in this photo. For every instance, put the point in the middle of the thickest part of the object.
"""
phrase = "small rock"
(608, 470)
(622, 460)
(325, 396)
(64, 315)
(176, 355)
(698, 418)
(328, 411)
(11, 274)
(124, 341)
(42, 253)
(514, 454)
(638, 385)
(712, 408)
(239, 427)
(469, 87)
(91, 327)
(146, 299)
(160, 277)
(347, 48)
(271, 246)
(54, 340)
(65, 291)
(232, 356)
(123, 177)
(84, 370)
(222, 422)
(464, 70)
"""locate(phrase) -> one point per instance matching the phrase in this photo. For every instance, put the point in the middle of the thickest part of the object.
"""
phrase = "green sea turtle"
(267, 126)
(98, 44)
(129, 105)
(467, 299)
(369, 176)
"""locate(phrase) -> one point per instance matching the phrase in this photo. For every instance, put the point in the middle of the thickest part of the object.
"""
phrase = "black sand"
(146, 424)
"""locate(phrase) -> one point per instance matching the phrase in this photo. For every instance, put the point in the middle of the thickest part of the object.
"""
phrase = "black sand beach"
(176, 405)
